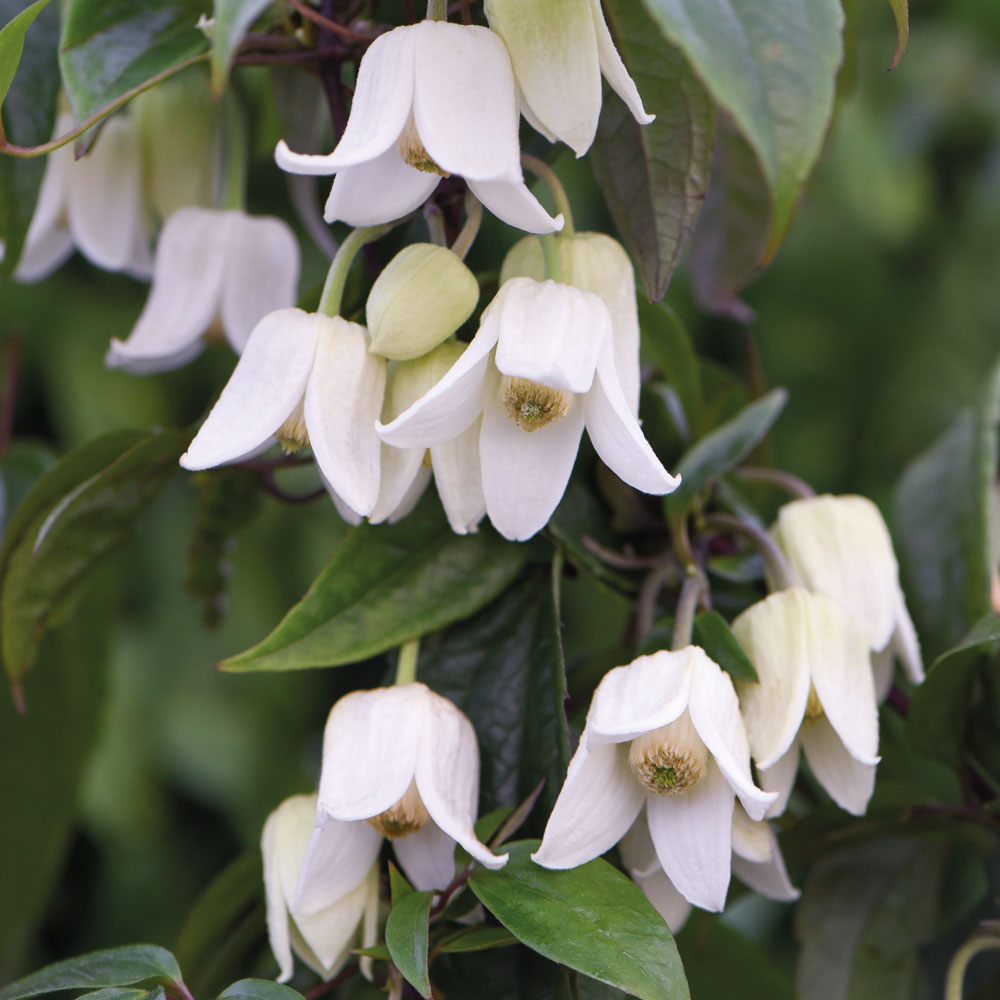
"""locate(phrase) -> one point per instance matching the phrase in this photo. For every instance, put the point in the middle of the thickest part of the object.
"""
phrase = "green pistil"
(665, 777)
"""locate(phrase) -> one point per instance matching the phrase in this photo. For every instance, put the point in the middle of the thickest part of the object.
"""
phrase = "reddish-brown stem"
(331, 984)
(329, 25)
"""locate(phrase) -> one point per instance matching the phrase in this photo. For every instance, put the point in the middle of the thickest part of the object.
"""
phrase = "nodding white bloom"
(663, 733)
(322, 926)
(215, 272)
(303, 379)
(559, 49)
(432, 99)
(815, 688)
(840, 546)
(539, 369)
(596, 263)
(756, 861)
(94, 204)
(404, 760)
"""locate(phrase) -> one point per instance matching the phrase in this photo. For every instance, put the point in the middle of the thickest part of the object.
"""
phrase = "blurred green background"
(881, 314)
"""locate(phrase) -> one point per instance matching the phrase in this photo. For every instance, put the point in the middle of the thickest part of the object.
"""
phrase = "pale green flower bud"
(409, 380)
(421, 298)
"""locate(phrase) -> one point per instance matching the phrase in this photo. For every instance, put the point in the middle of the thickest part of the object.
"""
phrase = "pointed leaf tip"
(901, 12)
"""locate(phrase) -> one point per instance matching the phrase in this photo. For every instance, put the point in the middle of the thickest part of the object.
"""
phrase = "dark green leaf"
(12, 43)
(942, 524)
(232, 21)
(592, 919)
(669, 345)
(865, 911)
(712, 632)
(406, 938)
(724, 448)
(134, 963)
(504, 669)
(387, 584)
(653, 177)
(107, 48)
(225, 926)
(22, 466)
(118, 993)
(259, 989)
(773, 67)
(50, 551)
(28, 113)
(399, 888)
(477, 939)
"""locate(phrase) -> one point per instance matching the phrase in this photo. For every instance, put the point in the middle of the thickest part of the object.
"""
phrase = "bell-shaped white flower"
(323, 932)
(432, 99)
(214, 270)
(840, 546)
(540, 368)
(559, 49)
(303, 379)
(94, 204)
(664, 733)
(814, 687)
(405, 760)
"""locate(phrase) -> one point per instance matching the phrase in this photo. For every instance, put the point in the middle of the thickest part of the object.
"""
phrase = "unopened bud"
(421, 298)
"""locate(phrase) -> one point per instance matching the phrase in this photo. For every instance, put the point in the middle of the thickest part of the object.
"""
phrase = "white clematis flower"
(303, 379)
(664, 733)
(214, 270)
(840, 546)
(404, 760)
(432, 99)
(540, 368)
(559, 49)
(94, 204)
(815, 688)
(323, 933)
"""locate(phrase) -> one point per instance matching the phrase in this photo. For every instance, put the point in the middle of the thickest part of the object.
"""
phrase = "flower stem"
(336, 278)
(437, 10)
(777, 565)
(555, 186)
(435, 224)
(691, 592)
(792, 485)
(406, 664)
(956, 970)
(473, 218)
(553, 259)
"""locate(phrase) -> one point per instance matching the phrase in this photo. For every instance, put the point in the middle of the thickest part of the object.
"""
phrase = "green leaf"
(666, 339)
(28, 114)
(224, 927)
(901, 12)
(76, 514)
(118, 993)
(387, 584)
(134, 963)
(592, 918)
(865, 911)
(712, 632)
(108, 48)
(406, 938)
(399, 888)
(773, 67)
(22, 466)
(653, 177)
(477, 939)
(233, 19)
(724, 448)
(942, 510)
(259, 989)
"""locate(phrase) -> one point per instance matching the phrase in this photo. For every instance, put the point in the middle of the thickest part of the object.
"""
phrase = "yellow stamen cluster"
(405, 817)
(814, 708)
(531, 405)
(668, 760)
(415, 154)
(292, 434)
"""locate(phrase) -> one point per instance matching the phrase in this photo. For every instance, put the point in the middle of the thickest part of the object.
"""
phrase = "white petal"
(768, 877)
(533, 120)
(347, 515)
(330, 933)
(598, 802)
(752, 840)
(849, 782)
(43, 254)
(774, 634)
(648, 693)
(614, 69)
(447, 776)
(261, 274)
(616, 434)
(549, 333)
(525, 473)
(427, 857)
(262, 393)
(412, 496)
(184, 298)
(692, 833)
(274, 846)
(637, 851)
(336, 861)
(906, 644)
(302, 163)
(554, 51)
(342, 402)
(715, 712)
(48, 242)
(669, 903)
(378, 191)
(780, 778)
(370, 749)
(883, 668)
(451, 405)
(459, 480)
(465, 101)
(107, 215)
(514, 204)
(400, 470)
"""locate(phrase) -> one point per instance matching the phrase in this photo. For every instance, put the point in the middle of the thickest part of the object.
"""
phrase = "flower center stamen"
(531, 405)
(668, 760)
(415, 153)
(292, 434)
(814, 708)
(405, 817)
